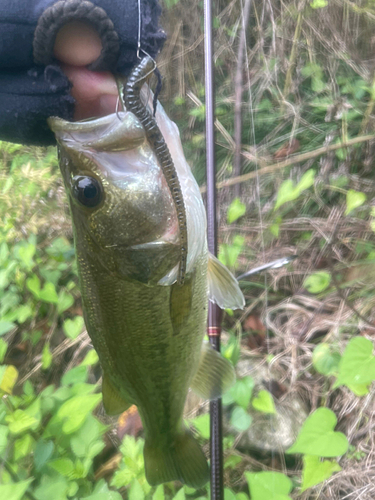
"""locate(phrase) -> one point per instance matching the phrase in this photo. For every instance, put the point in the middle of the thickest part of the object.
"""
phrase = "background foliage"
(305, 337)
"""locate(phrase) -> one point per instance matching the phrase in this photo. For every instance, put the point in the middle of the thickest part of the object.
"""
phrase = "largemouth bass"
(146, 327)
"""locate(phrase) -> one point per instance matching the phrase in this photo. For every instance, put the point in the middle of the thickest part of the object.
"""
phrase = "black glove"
(32, 86)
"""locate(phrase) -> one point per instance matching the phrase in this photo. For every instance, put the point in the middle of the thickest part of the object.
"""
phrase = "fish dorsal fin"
(214, 376)
(223, 288)
(113, 402)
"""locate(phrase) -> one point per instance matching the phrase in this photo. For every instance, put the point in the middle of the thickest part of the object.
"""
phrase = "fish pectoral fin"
(183, 460)
(214, 376)
(113, 402)
(223, 288)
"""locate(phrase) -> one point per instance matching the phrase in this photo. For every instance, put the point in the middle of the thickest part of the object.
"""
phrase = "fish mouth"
(119, 131)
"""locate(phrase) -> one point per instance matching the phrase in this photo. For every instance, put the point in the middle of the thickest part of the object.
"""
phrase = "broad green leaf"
(43, 452)
(202, 424)
(240, 419)
(104, 493)
(229, 253)
(3, 349)
(269, 485)
(14, 491)
(26, 254)
(19, 421)
(23, 446)
(318, 437)
(180, 495)
(354, 199)
(264, 402)
(159, 493)
(66, 300)
(91, 358)
(63, 466)
(228, 494)
(74, 412)
(359, 389)
(357, 364)
(307, 180)
(55, 487)
(325, 361)
(76, 375)
(285, 193)
(6, 326)
(136, 492)
(46, 357)
(4, 431)
(318, 4)
(317, 282)
(241, 392)
(236, 210)
(33, 284)
(48, 294)
(314, 471)
(73, 327)
(8, 378)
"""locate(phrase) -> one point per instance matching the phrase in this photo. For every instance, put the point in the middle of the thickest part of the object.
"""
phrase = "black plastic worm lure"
(133, 103)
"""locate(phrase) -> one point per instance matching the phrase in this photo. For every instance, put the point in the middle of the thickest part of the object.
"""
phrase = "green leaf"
(102, 492)
(48, 294)
(63, 466)
(317, 282)
(91, 358)
(202, 424)
(23, 447)
(286, 193)
(264, 402)
(325, 361)
(136, 492)
(180, 495)
(159, 493)
(240, 419)
(357, 364)
(20, 421)
(307, 180)
(73, 327)
(74, 412)
(65, 301)
(8, 378)
(228, 494)
(76, 375)
(15, 491)
(229, 253)
(43, 452)
(52, 487)
(241, 391)
(33, 284)
(3, 349)
(269, 485)
(4, 431)
(5, 327)
(354, 199)
(318, 437)
(236, 210)
(46, 357)
(314, 471)
(26, 254)
(318, 4)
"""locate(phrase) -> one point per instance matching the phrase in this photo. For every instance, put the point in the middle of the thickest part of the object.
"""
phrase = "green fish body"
(147, 329)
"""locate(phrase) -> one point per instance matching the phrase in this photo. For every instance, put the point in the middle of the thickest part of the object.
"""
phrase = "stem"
(238, 96)
(291, 161)
(293, 56)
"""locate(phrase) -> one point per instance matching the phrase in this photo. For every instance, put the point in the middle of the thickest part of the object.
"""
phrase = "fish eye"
(87, 190)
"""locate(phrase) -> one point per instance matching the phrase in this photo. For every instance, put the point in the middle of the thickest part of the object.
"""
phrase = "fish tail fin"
(183, 460)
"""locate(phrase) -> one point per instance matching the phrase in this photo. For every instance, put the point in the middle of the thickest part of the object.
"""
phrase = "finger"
(95, 93)
(77, 44)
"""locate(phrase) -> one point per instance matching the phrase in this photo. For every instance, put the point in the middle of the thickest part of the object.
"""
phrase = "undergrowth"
(299, 420)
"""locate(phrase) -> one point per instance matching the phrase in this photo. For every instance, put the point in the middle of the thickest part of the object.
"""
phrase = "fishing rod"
(214, 312)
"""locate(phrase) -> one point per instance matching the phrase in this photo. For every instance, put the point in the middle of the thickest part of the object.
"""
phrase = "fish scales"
(147, 328)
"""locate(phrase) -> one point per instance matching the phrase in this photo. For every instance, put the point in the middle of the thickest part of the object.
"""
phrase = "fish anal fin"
(183, 460)
(113, 402)
(223, 287)
(214, 376)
